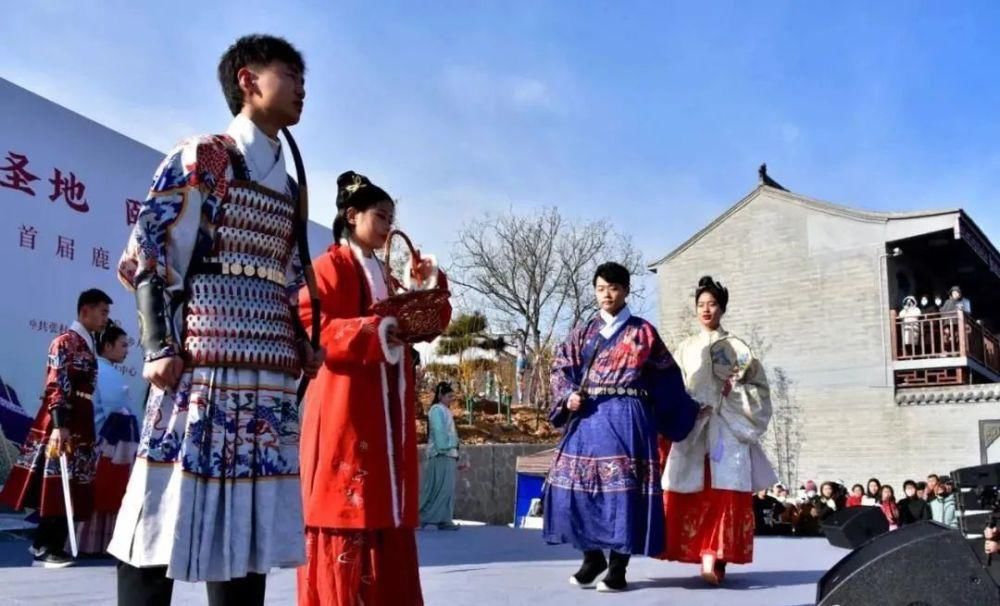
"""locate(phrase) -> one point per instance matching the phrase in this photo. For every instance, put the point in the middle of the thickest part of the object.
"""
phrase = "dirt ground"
(489, 426)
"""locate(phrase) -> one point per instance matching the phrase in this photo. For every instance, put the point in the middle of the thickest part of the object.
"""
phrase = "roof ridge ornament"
(765, 179)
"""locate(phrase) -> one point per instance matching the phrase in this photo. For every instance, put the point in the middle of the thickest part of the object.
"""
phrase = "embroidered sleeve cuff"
(393, 354)
(164, 352)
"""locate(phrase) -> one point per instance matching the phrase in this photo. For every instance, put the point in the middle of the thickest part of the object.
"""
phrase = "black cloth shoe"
(614, 581)
(593, 565)
(54, 559)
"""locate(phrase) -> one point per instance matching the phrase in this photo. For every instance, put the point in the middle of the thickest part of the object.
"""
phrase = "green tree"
(468, 331)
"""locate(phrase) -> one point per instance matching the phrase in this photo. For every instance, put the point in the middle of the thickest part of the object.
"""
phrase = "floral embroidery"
(221, 431)
(604, 474)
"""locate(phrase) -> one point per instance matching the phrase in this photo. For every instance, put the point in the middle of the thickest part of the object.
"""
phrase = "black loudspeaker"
(922, 564)
(853, 527)
(980, 475)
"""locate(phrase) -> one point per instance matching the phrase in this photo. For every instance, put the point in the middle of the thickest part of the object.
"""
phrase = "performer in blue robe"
(614, 387)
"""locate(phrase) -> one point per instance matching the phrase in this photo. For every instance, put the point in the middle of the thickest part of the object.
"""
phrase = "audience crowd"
(778, 512)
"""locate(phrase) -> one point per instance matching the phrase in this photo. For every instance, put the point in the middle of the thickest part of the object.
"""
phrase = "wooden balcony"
(949, 348)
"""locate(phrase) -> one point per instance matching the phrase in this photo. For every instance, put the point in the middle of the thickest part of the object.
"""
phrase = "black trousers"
(151, 587)
(51, 534)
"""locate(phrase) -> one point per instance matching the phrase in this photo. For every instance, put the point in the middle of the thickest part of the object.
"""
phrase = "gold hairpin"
(354, 187)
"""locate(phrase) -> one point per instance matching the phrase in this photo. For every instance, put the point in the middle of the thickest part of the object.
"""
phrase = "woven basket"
(419, 312)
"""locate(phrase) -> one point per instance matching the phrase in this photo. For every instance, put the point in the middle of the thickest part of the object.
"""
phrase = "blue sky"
(655, 114)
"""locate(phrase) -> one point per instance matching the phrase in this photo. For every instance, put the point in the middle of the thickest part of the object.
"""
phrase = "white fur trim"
(393, 354)
(390, 451)
(431, 282)
(401, 372)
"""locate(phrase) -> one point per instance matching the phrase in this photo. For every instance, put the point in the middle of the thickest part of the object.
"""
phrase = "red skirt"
(360, 567)
(713, 521)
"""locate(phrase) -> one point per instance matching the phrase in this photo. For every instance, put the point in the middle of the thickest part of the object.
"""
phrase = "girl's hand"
(574, 402)
(422, 272)
(392, 337)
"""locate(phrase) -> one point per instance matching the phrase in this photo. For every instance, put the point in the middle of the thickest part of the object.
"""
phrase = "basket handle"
(414, 255)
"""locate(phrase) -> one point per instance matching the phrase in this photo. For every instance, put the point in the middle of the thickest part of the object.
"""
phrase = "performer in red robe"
(359, 463)
(64, 423)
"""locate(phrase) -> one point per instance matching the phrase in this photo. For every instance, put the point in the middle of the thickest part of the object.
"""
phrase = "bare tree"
(784, 438)
(687, 325)
(534, 272)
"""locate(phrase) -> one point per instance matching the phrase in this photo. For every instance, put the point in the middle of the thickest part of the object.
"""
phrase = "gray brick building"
(814, 288)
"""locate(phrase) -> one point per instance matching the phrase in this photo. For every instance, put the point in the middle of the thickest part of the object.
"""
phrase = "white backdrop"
(62, 233)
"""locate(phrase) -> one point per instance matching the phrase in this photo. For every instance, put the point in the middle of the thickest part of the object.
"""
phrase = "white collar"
(359, 253)
(83, 332)
(370, 265)
(263, 155)
(714, 335)
(613, 323)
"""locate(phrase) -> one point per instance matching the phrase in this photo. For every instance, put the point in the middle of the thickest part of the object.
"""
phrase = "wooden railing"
(944, 335)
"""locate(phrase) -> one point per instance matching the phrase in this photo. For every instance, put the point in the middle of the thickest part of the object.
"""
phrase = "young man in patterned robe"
(64, 423)
(214, 495)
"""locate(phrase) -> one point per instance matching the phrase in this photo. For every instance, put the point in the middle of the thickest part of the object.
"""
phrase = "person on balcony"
(928, 306)
(956, 301)
(911, 326)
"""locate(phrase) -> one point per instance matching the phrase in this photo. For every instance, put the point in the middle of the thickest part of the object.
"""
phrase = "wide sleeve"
(346, 336)
(101, 396)
(441, 428)
(564, 378)
(747, 408)
(57, 382)
(188, 187)
(674, 411)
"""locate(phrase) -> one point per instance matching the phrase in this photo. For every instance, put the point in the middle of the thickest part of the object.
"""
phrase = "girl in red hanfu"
(358, 446)
(711, 475)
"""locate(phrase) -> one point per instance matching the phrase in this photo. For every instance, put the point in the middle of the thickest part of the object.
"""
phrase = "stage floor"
(482, 566)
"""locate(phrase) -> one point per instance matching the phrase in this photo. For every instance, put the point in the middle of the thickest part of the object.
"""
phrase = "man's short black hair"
(933, 475)
(255, 49)
(94, 296)
(909, 483)
(613, 273)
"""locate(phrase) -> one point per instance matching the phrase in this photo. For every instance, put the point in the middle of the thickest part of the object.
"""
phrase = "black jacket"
(913, 510)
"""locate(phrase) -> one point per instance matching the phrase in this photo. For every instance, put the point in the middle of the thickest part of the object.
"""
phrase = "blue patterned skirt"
(603, 490)
(214, 493)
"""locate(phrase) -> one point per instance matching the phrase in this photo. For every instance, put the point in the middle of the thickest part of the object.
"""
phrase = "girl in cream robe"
(711, 475)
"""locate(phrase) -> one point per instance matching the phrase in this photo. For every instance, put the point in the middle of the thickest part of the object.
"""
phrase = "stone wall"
(485, 491)
(808, 284)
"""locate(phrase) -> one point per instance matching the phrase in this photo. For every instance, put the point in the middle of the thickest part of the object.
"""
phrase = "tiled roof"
(959, 394)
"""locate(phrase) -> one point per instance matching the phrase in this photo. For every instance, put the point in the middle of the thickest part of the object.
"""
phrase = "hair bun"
(707, 281)
(348, 184)
(347, 178)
